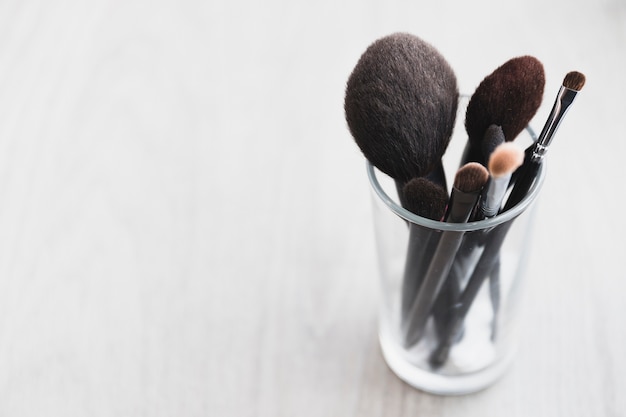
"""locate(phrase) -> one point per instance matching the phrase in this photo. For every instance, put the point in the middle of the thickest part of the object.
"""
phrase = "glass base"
(436, 383)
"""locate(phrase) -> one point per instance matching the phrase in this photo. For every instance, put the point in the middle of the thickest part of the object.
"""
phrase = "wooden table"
(185, 221)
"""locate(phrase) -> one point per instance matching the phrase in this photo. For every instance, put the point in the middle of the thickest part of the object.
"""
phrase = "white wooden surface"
(185, 225)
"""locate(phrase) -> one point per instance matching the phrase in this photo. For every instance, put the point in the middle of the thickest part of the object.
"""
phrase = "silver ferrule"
(564, 99)
(460, 206)
(491, 198)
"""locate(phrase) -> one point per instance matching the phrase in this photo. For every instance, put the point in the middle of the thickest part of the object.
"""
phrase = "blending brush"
(400, 105)
(425, 199)
(572, 84)
(508, 97)
(468, 183)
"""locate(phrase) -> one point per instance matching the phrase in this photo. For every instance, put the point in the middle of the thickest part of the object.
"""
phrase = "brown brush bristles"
(574, 80)
(505, 159)
(425, 198)
(509, 97)
(400, 105)
(471, 177)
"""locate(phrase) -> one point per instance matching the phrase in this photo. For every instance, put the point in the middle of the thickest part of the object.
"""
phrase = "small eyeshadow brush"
(573, 82)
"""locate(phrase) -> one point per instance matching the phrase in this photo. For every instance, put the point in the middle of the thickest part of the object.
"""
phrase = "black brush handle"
(452, 288)
(438, 176)
(494, 295)
(523, 181)
(438, 270)
(485, 265)
(472, 153)
(421, 246)
(448, 297)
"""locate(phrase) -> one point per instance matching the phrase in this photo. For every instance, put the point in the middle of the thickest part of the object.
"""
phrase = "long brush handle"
(452, 289)
(435, 276)
(422, 244)
(448, 297)
(523, 181)
(494, 295)
(483, 268)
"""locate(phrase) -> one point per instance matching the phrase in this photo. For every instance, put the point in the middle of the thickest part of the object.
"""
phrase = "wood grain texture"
(185, 225)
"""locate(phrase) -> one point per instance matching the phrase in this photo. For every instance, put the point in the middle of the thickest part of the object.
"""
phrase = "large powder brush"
(400, 105)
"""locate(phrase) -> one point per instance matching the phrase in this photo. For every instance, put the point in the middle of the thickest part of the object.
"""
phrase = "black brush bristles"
(425, 198)
(400, 105)
(509, 97)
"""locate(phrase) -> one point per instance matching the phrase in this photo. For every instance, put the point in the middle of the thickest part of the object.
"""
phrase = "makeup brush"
(400, 105)
(573, 82)
(468, 183)
(451, 289)
(509, 97)
(425, 199)
(488, 260)
(503, 162)
(505, 159)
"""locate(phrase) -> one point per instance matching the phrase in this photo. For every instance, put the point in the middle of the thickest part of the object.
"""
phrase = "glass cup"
(462, 336)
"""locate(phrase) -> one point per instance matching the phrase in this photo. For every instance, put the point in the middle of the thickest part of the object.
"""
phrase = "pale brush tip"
(505, 159)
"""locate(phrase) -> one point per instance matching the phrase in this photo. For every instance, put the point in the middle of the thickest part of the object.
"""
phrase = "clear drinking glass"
(468, 338)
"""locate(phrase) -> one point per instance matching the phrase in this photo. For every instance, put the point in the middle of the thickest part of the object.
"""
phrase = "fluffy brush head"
(505, 159)
(471, 177)
(425, 198)
(509, 97)
(574, 80)
(400, 105)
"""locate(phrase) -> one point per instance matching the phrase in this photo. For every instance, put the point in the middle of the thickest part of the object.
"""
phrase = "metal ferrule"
(460, 206)
(491, 198)
(564, 99)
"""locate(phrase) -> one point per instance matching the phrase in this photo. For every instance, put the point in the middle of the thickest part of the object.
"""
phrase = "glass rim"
(459, 227)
